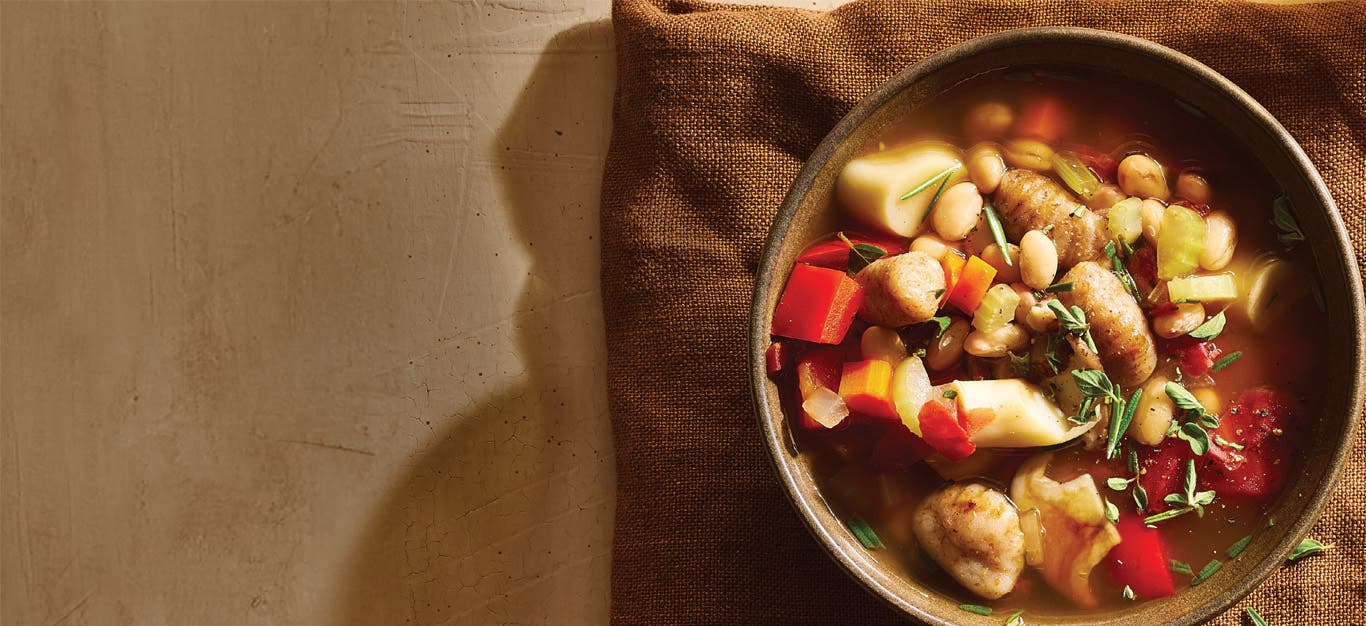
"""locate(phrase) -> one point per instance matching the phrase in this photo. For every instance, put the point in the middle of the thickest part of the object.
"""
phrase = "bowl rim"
(770, 417)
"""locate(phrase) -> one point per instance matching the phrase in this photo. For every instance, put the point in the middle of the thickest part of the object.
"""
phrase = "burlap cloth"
(716, 108)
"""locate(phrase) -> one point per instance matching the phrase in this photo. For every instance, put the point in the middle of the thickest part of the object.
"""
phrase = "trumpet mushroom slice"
(1072, 515)
(871, 187)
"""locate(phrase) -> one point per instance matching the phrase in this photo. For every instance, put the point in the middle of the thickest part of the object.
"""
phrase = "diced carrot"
(941, 429)
(953, 263)
(834, 253)
(866, 387)
(818, 305)
(972, 285)
(1140, 561)
(1045, 117)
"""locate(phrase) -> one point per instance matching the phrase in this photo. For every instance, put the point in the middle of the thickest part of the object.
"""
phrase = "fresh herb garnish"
(1050, 354)
(1128, 592)
(1073, 321)
(920, 352)
(1016, 619)
(1226, 361)
(1308, 547)
(997, 233)
(1224, 443)
(1181, 567)
(1046, 229)
(1120, 418)
(938, 293)
(1117, 266)
(1238, 547)
(1211, 328)
(935, 200)
(1111, 512)
(1255, 617)
(950, 394)
(1166, 515)
(1020, 364)
(1096, 386)
(1205, 572)
(976, 608)
(1192, 431)
(930, 182)
(1190, 500)
(1133, 461)
(861, 255)
(864, 533)
(1195, 435)
(1285, 221)
(1063, 286)
(1081, 209)
(1118, 484)
(943, 321)
(1140, 497)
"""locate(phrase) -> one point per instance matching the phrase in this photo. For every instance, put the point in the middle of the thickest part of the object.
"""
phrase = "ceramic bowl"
(798, 222)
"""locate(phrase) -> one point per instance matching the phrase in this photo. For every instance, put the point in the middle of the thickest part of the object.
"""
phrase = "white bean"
(946, 350)
(1030, 154)
(957, 211)
(986, 167)
(1186, 317)
(1038, 259)
(1105, 196)
(1027, 301)
(997, 343)
(1041, 319)
(1154, 413)
(988, 120)
(1221, 237)
(1193, 187)
(1151, 213)
(931, 245)
(1004, 273)
(883, 344)
(1140, 175)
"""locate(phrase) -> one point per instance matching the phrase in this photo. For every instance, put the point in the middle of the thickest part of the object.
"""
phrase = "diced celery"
(1075, 174)
(997, 309)
(1180, 242)
(1203, 288)
(910, 391)
(1126, 220)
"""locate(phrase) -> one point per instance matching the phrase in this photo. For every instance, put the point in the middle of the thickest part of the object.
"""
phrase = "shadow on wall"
(507, 519)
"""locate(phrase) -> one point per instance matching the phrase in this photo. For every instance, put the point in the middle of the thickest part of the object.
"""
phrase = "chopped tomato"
(834, 253)
(1044, 116)
(1102, 165)
(1196, 357)
(1257, 421)
(1141, 560)
(942, 430)
(899, 449)
(1164, 470)
(1143, 267)
(780, 356)
(818, 305)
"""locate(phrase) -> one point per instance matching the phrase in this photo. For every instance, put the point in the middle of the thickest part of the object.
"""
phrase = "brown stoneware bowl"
(799, 222)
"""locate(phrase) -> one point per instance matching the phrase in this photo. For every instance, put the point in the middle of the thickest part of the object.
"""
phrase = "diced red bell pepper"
(834, 253)
(780, 356)
(866, 387)
(941, 429)
(1143, 266)
(1164, 470)
(1196, 357)
(1141, 560)
(817, 369)
(972, 285)
(899, 449)
(818, 305)
(1044, 116)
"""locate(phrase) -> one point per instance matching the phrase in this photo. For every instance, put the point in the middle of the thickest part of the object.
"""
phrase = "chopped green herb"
(1225, 361)
(1133, 461)
(938, 293)
(920, 352)
(1081, 209)
(1270, 521)
(1120, 418)
(1181, 567)
(1238, 547)
(1046, 229)
(997, 233)
(950, 394)
(1196, 436)
(931, 181)
(1118, 484)
(935, 200)
(1166, 515)
(864, 533)
(1073, 321)
(1140, 497)
(861, 255)
(1019, 363)
(1063, 286)
(1128, 592)
(943, 321)
(1308, 547)
(1224, 443)
(1111, 512)
(1255, 617)
(1205, 572)
(976, 608)
(1016, 619)
(1117, 266)
(1211, 328)
(1183, 399)
(1285, 221)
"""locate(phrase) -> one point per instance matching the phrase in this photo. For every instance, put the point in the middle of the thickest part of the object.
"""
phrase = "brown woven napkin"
(716, 108)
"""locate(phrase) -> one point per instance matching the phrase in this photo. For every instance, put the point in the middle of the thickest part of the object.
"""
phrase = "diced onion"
(910, 391)
(826, 407)
(1203, 288)
(1273, 289)
(1126, 220)
(1033, 537)
(1180, 242)
(1075, 174)
(997, 309)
